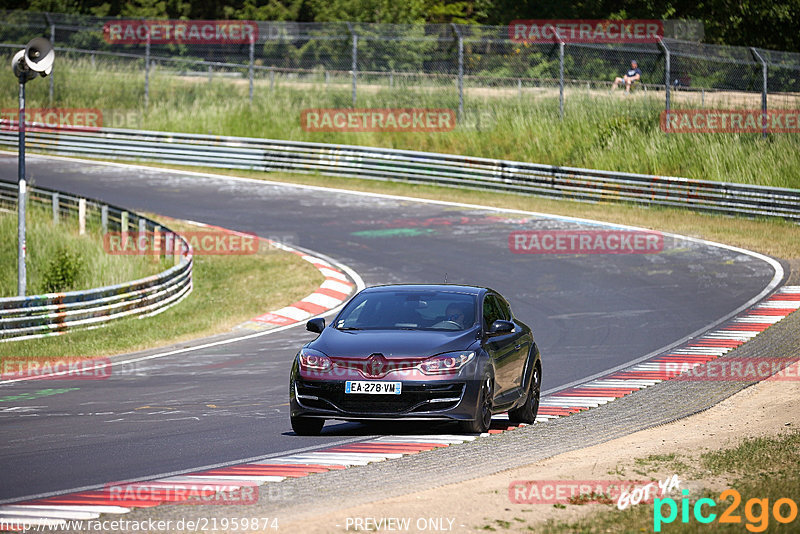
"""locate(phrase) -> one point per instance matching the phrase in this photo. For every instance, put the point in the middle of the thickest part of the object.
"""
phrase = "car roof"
(446, 288)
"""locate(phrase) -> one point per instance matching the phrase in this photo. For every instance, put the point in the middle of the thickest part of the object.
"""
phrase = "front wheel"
(483, 409)
(526, 412)
(307, 426)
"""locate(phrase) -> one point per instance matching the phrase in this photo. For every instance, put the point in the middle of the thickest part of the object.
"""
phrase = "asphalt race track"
(226, 403)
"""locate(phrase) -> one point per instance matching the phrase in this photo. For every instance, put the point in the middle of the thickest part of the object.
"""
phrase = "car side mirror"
(501, 327)
(316, 325)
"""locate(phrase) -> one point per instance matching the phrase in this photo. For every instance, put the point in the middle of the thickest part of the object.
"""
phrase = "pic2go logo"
(756, 511)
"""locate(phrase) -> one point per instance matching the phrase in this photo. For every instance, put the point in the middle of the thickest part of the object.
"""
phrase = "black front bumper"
(418, 400)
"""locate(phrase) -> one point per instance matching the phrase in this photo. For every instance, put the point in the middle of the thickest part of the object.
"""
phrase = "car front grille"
(414, 398)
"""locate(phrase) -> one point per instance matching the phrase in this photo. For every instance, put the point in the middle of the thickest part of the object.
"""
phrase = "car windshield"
(398, 310)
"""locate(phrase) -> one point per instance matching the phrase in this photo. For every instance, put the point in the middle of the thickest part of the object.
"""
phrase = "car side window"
(504, 308)
(491, 311)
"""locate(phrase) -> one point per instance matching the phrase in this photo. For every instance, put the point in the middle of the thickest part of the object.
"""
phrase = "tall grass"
(46, 243)
(600, 129)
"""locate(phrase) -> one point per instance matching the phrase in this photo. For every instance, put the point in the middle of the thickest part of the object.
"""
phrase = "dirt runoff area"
(765, 409)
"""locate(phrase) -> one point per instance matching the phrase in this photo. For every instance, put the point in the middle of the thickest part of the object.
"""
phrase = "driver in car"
(455, 313)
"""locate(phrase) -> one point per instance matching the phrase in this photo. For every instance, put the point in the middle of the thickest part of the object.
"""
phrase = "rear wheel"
(307, 426)
(483, 409)
(526, 412)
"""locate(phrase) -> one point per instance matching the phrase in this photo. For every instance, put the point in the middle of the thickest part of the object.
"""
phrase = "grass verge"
(761, 468)
(228, 290)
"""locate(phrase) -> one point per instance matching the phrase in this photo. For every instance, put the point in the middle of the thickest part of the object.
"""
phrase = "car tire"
(483, 408)
(526, 412)
(307, 426)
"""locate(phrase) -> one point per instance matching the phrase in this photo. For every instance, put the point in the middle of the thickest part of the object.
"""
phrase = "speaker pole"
(21, 248)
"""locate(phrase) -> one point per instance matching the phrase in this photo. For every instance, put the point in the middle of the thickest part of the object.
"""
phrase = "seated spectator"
(634, 74)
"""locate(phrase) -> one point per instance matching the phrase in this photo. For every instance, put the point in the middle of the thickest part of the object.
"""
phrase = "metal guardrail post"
(177, 251)
(81, 216)
(460, 39)
(272, 78)
(104, 218)
(56, 207)
(667, 68)
(156, 242)
(141, 235)
(123, 224)
(763, 91)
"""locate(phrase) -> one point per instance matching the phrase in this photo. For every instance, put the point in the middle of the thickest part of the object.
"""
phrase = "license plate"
(373, 388)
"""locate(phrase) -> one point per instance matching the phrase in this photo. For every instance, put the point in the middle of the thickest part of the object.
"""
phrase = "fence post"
(156, 242)
(53, 42)
(763, 91)
(560, 78)
(178, 251)
(81, 216)
(272, 77)
(56, 207)
(104, 218)
(667, 68)
(169, 246)
(141, 235)
(460, 38)
(354, 56)
(252, 53)
(147, 71)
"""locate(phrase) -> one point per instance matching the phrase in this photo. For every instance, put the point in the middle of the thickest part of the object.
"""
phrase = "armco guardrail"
(54, 313)
(411, 166)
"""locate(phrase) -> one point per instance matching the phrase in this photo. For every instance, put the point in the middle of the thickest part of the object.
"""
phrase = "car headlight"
(447, 363)
(313, 360)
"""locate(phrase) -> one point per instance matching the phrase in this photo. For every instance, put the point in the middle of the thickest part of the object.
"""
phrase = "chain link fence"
(454, 63)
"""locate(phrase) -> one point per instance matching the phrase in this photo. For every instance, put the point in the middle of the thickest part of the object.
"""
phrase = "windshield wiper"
(348, 328)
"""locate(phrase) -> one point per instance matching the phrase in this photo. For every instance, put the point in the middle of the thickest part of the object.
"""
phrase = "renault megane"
(429, 352)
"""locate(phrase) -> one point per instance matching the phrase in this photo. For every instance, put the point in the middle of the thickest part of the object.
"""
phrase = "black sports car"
(445, 352)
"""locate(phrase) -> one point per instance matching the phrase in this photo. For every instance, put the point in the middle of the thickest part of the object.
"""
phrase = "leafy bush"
(62, 271)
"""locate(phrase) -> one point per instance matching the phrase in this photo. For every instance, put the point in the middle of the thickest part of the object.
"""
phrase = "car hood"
(393, 344)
